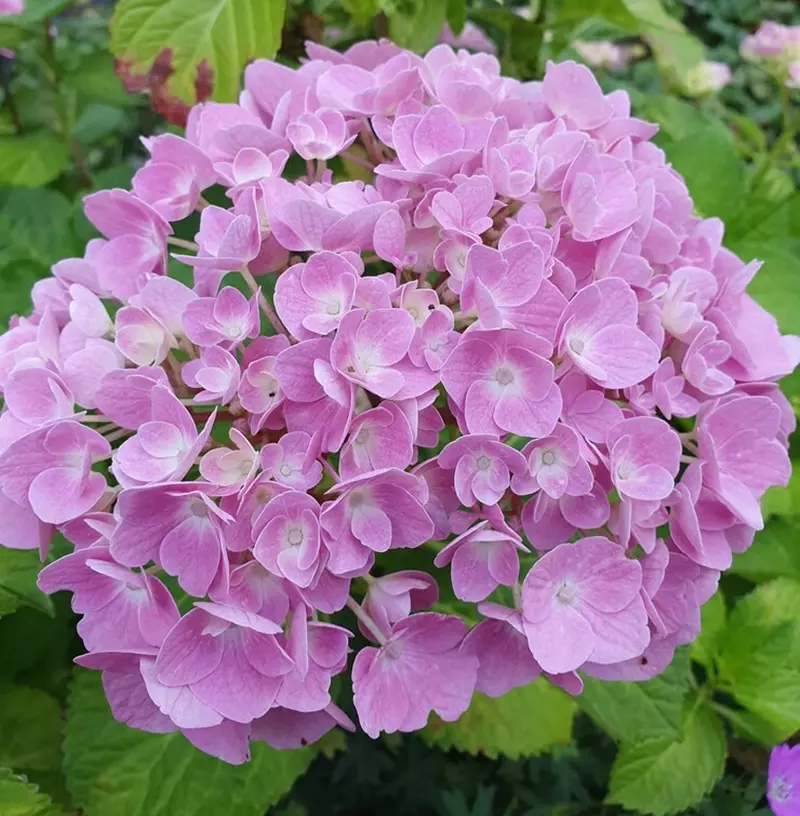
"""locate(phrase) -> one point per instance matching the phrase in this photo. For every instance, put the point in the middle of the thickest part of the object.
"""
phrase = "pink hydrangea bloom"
(514, 332)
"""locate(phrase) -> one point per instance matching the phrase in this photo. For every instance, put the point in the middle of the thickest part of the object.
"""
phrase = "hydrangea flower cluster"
(706, 77)
(777, 48)
(516, 350)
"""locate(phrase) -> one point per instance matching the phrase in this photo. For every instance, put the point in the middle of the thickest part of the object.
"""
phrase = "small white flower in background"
(602, 54)
(706, 78)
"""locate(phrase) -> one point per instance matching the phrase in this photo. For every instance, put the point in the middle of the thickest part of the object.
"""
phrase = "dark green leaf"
(635, 712)
(113, 770)
(30, 729)
(18, 571)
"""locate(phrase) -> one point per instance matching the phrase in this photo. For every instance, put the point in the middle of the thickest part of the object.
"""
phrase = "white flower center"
(577, 345)
(286, 469)
(548, 458)
(483, 462)
(295, 537)
(567, 593)
(504, 375)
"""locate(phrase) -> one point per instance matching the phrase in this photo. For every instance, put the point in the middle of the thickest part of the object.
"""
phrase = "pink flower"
(287, 537)
(371, 350)
(321, 134)
(742, 456)
(480, 560)
(292, 461)
(121, 609)
(555, 465)
(393, 597)
(783, 783)
(183, 534)
(373, 513)
(50, 471)
(216, 648)
(598, 332)
(419, 669)
(216, 374)
(644, 458)
(467, 208)
(581, 602)
(503, 384)
(379, 438)
(483, 467)
(232, 470)
(312, 298)
(571, 90)
(226, 319)
(165, 447)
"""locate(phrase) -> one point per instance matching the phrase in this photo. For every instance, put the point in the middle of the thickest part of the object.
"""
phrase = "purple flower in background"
(783, 780)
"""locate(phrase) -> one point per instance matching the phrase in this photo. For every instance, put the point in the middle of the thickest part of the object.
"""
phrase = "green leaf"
(783, 501)
(35, 225)
(36, 10)
(31, 161)
(113, 770)
(524, 722)
(18, 798)
(10, 33)
(775, 553)
(759, 660)
(713, 172)
(18, 571)
(226, 33)
(362, 11)
(704, 649)
(30, 729)
(456, 15)
(775, 284)
(635, 712)
(667, 776)
(95, 78)
(97, 121)
(415, 24)
(676, 119)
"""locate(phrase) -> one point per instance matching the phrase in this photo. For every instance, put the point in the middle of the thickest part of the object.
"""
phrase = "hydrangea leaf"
(113, 770)
(713, 172)
(774, 287)
(226, 34)
(667, 776)
(415, 24)
(775, 551)
(525, 722)
(783, 501)
(19, 798)
(30, 729)
(713, 614)
(35, 225)
(18, 571)
(759, 661)
(31, 161)
(635, 712)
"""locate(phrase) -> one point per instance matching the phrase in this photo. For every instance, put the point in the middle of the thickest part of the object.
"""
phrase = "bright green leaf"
(415, 24)
(524, 722)
(775, 285)
(113, 770)
(31, 161)
(635, 712)
(30, 729)
(713, 172)
(18, 571)
(751, 727)
(226, 33)
(362, 11)
(775, 552)
(667, 776)
(19, 798)
(704, 649)
(759, 660)
(783, 501)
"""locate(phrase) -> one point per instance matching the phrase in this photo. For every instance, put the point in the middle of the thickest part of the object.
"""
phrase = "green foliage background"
(694, 740)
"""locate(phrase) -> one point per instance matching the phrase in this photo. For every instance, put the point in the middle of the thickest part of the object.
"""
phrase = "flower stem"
(179, 242)
(269, 312)
(370, 624)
